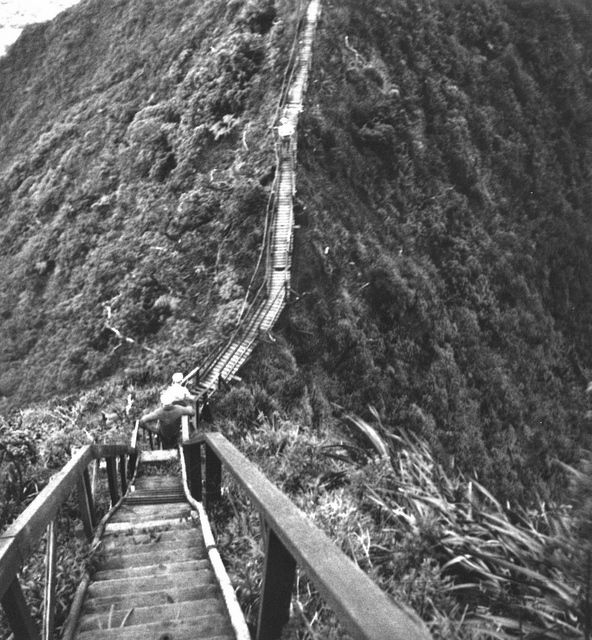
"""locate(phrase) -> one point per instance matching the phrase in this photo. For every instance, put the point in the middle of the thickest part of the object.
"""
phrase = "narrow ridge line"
(279, 249)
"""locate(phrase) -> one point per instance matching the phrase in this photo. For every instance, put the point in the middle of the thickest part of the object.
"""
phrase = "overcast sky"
(15, 14)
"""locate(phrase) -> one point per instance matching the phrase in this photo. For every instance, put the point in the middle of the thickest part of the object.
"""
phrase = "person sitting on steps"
(174, 402)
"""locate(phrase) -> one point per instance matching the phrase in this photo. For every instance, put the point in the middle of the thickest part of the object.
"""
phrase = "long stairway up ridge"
(157, 573)
(239, 348)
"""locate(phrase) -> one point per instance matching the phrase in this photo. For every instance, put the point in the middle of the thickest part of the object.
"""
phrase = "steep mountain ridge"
(445, 169)
(441, 268)
(136, 149)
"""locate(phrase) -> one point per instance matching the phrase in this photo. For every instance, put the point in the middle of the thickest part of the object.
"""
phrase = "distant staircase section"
(263, 315)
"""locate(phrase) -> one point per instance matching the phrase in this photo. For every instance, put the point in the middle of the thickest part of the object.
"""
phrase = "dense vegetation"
(444, 267)
(442, 274)
(135, 156)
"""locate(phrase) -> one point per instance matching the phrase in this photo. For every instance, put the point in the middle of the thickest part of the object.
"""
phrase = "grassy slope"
(134, 169)
(444, 262)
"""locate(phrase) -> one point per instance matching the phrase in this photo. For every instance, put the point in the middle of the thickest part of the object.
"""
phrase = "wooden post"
(185, 434)
(93, 478)
(206, 410)
(122, 474)
(50, 578)
(276, 592)
(112, 479)
(213, 477)
(192, 453)
(131, 467)
(85, 504)
(91, 500)
(18, 614)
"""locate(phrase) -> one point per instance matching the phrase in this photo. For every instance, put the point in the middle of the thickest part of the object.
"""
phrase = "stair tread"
(135, 615)
(120, 546)
(149, 598)
(112, 559)
(150, 583)
(157, 568)
(127, 510)
(210, 626)
(145, 525)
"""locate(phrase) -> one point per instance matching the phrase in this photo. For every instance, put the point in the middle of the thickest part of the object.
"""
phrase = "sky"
(15, 14)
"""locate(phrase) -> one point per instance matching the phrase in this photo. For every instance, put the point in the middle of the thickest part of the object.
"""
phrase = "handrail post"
(213, 477)
(85, 504)
(112, 479)
(192, 453)
(50, 579)
(131, 467)
(276, 591)
(123, 474)
(18, 613)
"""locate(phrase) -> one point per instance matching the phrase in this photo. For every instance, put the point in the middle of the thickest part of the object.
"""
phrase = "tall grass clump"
(434, 538)
(515, 572)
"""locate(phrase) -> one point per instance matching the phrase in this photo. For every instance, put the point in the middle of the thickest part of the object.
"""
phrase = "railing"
(21, 539)
(365, 611)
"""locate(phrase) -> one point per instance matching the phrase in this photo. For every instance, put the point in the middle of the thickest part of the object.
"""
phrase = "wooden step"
(159, 455)
(147, 525)
(144, 545)
(212, 627)
(141, 584)
(149, 598)
(116, 560)
(141, 512)
(157, 568)
(146, 497)
(133, 615)
(151, 483)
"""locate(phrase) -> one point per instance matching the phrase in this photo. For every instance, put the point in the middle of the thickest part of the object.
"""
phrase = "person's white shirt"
(286, 129)
(175, 392)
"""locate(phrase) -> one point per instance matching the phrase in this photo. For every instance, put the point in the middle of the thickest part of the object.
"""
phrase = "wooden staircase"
(153, 578)
(158, 574)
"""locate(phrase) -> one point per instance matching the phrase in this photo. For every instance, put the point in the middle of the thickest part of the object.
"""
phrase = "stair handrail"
(20, 540)
(291, 539)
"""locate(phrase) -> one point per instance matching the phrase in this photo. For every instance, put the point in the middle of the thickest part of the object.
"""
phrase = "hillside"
(441, 282)
(135, 146)
(442, 264)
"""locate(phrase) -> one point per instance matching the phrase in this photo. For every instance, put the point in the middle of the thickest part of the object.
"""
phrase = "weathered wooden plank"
(365, 611)
(161, 553)
(213, 627)
(149, 598)
(138, 513)
(159, 455)
(276, 593)
(85, 504)
(112, 480)
(136, 615)
(17, 612)
(123, 473)
(50, 582)
(104, 588)
(192, 453)
(159, 568)
(130, 527)
(28, 528)
(213, 476)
